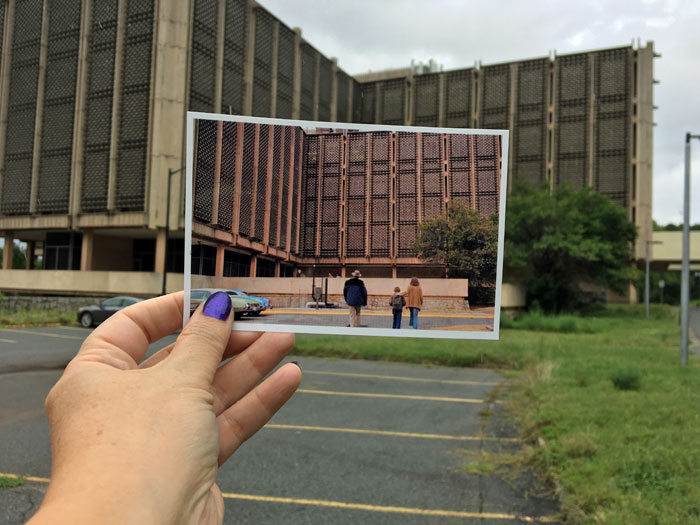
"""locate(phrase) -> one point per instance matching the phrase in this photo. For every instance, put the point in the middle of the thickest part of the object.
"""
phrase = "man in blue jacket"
(355, 295)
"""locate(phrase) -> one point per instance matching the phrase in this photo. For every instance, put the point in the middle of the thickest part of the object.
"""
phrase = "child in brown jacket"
(397, 303)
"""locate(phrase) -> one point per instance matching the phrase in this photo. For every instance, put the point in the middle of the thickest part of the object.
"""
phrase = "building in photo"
(93, 98)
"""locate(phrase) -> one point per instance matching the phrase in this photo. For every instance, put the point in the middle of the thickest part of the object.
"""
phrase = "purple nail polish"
(218, 306)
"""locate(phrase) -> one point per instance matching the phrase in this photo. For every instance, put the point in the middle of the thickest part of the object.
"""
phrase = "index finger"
(137, 326)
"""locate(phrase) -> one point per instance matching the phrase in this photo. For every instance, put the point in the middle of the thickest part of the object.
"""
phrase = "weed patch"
(10, 482)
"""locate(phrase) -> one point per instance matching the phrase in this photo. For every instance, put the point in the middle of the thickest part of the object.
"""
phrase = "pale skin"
(141, 442)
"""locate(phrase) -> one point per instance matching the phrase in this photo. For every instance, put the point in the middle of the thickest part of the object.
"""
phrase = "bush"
(626, 379)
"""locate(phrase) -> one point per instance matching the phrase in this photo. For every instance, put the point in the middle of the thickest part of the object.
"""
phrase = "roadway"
(360, 442)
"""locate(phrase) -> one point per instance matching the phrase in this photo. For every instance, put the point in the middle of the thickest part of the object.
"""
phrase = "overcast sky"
(381, 34)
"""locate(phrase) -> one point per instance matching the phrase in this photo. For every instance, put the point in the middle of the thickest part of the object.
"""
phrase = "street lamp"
(646, 277)
(685, 273)
(171, 172)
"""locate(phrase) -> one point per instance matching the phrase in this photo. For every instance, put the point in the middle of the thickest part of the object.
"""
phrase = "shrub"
(626, 379)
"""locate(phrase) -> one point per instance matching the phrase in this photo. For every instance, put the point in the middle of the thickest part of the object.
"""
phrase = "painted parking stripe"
(392, 396)
(86, 331)
(400, 378)
(393, 434)
(7, 341)
(360, 506)
(44, 334)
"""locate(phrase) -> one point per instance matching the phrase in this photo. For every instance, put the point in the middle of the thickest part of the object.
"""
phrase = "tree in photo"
(557, 240)
(464, 241)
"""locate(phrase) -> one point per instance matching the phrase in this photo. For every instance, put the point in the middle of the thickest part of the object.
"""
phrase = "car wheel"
(238, 315)
(86, 320)
(256, 313)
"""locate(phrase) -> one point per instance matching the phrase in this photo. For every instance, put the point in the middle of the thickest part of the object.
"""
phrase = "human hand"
(141, 443)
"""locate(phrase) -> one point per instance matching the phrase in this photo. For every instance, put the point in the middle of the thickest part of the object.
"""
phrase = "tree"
(19, 257)
(464, 241)
(556, 240)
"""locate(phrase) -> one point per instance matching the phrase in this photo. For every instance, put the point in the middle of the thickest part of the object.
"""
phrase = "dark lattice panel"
(134, 107)
(356, 183)
(286, 181)
(245, 224)
(342, 93)
(203, 55)
(369, 102)
(262, 72)
(458, 108)
(460, 165)
(2, 27)
(391, 101)
(426, 100)
(486, 152)
(285, 72)
(296, 174)
(53, 194)
(571, 132)
(308, 81)
(530, 132)
(227, 177)
(431, 175)
(24, 76)
(98, 120)
(235, 38)
(495, 97)
(325, 85)
(407, 192)
(260, 205)
(330, 194)
(204, 173)
(380, 195)
(275, 184)
(310, 195)
(613, 87)
(356, 110)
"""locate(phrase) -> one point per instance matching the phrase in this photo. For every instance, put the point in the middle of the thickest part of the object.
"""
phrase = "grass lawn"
(613, 421)
(36, 317)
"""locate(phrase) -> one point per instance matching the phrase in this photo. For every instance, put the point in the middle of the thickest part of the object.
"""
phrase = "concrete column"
(31, 249)
(343, 272)
(394, 272)
(86, 251)
(219, 265)
(253, 265)
(160, 265)
(8, 251)
(334, 91)
(277, 268)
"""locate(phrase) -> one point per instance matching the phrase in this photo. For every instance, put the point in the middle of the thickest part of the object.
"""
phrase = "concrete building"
(93, 96)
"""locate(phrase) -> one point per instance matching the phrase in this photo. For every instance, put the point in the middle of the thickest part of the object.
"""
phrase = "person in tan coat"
(414, 301)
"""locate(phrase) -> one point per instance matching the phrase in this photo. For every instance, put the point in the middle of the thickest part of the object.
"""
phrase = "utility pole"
(685, 274)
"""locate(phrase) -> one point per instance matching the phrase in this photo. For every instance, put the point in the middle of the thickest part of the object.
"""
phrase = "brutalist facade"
(93, 96)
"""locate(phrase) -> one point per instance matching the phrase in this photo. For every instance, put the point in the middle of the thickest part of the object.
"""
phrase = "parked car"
(239, 304)
(94, 314)
(265, 302)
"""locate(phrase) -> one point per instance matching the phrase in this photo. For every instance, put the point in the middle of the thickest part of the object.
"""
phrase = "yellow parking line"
(393, 434)
(341, 311)
(76, 328)
(45, 334)
(397, 378)
(7, 341)
(393, 396)
(360, 506)
(388, 509)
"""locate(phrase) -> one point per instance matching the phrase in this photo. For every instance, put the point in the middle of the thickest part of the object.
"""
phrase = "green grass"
(7, 482)
(617, 454)
(36, 317)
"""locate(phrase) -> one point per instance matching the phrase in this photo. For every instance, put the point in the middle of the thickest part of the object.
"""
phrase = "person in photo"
(414, 301)
(355, 295)
(397, 303)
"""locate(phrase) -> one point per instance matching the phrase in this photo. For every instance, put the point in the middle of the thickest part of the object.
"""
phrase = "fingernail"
(218, 306)
(297, 364)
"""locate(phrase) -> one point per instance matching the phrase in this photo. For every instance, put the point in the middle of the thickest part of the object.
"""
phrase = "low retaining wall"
(14, 303)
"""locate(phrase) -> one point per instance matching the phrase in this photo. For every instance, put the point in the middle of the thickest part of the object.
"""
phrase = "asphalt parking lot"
(360, 442)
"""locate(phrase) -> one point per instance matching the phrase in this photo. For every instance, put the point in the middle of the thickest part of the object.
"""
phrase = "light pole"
(171, 172)
(685, 273)
(646, 277)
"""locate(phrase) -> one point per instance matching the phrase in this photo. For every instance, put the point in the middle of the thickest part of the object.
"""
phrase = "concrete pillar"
(8, 251)
(253, 265)
(343, 272)
(277, 268)
(86, 251)
(160, 265)
(394, 272)
(31, 249)
(219, 265)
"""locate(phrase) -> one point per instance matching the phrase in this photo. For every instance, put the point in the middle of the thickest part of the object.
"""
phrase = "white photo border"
(339, 330)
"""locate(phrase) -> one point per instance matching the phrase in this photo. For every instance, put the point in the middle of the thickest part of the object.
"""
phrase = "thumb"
(200, 347)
